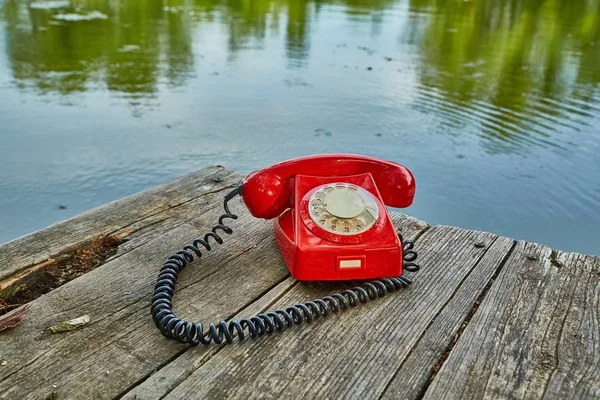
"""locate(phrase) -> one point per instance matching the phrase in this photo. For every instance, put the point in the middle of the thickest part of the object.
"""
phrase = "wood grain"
(121, 344)
(354, 354)
(535, 335)
(164, 380)
(417, 369)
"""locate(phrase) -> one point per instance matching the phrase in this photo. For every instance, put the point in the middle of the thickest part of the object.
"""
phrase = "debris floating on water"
(173, 9)
(323, 131)
(128, 48)
(71, 17)
(366, 49)
(70, 325)
(49, 5)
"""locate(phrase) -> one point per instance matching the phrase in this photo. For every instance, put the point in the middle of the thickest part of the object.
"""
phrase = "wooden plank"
(355, 354)
(142, 212)
(164, 380)
(121, 346)
(414, 373)
(535, 335)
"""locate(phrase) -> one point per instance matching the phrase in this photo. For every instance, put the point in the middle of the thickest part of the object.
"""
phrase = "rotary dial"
(343, 209)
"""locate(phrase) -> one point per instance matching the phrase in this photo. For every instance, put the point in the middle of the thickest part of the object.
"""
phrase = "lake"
(494, 105)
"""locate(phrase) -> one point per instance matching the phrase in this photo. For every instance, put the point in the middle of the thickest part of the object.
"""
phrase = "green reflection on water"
(522, 56)
(126, 50)
(509, 61)
(129, 45)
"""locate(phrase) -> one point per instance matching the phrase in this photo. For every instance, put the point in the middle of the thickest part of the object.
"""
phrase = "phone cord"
(278, 320)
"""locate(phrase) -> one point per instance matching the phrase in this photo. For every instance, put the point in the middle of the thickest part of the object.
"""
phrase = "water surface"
(493, 105)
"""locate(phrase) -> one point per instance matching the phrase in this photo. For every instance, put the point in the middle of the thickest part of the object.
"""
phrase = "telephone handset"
(268, 192)
(330, 223)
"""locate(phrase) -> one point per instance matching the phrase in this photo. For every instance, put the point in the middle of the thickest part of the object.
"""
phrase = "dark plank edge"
(114, 218)
(80, 251)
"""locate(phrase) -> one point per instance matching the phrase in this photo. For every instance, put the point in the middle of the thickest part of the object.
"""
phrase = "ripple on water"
(535, 124)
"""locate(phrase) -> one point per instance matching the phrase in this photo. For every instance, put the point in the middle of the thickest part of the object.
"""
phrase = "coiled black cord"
(278, 320)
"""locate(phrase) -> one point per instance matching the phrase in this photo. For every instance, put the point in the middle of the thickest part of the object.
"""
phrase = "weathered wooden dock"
(487, 316)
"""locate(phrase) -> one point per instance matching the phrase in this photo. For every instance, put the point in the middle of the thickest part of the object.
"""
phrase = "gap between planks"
(444, 356)
(534, 336)
(93, 252)
(260, 305)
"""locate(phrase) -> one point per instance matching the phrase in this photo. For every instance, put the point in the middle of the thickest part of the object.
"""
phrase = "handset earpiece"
(266, 194)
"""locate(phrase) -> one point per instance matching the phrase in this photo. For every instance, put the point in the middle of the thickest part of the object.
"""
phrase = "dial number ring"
(343, 209)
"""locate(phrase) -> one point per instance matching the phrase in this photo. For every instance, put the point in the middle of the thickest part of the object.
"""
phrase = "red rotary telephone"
(330, 223)
(331, 220)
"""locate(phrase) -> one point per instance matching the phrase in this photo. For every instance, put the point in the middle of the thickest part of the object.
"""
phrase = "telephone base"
(312, 258)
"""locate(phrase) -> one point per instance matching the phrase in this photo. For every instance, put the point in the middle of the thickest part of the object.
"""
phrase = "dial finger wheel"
(343, 209)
